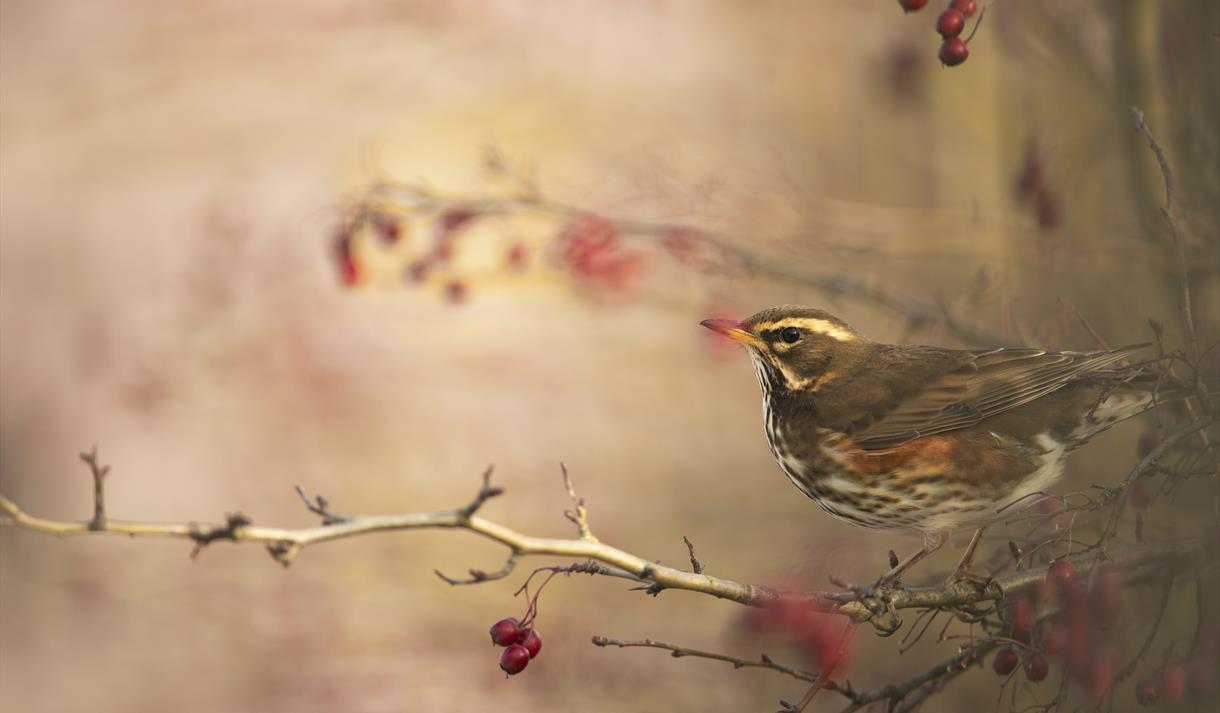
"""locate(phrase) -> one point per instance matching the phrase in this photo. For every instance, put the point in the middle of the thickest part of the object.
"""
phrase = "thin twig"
(763, 661)
(1167, 213)
(98, 472)
(695, 565)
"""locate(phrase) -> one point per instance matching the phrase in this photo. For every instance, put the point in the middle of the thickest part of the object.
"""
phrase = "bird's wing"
(979, 385)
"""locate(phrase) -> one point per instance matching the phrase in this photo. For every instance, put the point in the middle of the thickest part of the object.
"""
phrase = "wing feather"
(980, 385)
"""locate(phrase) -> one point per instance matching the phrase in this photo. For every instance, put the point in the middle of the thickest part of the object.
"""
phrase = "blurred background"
(172, 176)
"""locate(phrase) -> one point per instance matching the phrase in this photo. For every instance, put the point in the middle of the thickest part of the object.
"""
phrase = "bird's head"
(793, 348)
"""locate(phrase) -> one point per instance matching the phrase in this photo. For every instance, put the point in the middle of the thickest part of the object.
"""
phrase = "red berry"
(531, 641)
(953, 51)
(965, 7)
(505, 632)
(1060, 574)
(1146, 693)
(1005, 661)
(1173, 682)
(455, 291)
(950, 23)
(1036, 668)
(912, 5)
(514, 659)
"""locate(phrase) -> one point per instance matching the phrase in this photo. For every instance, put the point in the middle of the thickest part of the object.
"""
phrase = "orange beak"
(732, 330)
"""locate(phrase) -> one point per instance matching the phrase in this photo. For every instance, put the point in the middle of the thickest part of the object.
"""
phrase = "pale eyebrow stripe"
(817, 326)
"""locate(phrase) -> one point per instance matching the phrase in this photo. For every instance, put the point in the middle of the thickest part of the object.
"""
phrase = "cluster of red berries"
(1032, 191)
(591, 249)
(950, 23)
(373, 228)
(1078, 634)
(1081, 635)
(522, 644)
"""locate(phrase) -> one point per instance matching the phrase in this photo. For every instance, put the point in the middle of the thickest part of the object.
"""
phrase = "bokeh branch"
(397, 199)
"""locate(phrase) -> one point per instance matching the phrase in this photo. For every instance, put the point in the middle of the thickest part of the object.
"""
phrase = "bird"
(925, 439)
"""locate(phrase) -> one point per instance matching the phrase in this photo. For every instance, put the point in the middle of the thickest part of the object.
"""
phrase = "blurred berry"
(518, 258)
(455, 219)
(1054, 637)
(1101, 674)
(1145, 692)
(455, 292)
(1049, 210)
(514, 659)
(953, 52)
(505, 632)
(531, 641)
(1036, 668)
(1032, 176)
(349, 272)
(1020, 618)
(1173, 682)
(912, 5)
(1108, 592)
(1060, 574)
(965, 7)
(950, 23)
(1005, 661)
(904, 71)
(389, 230)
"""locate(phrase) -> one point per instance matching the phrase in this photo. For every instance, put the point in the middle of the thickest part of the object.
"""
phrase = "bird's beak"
(732, 329)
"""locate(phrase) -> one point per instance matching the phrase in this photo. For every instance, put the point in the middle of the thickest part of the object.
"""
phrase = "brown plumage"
(925, 438)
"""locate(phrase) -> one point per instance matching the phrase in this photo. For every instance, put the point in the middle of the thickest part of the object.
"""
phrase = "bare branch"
(407, 198)
(321, 507)
(926, 683)
(763, 661)
(99, 491)
(877, 606)
(478, 576)
(695, 565)
(579, 514)
(1167, 212)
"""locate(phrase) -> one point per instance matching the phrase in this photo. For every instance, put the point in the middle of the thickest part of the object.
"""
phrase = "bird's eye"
(791, 335)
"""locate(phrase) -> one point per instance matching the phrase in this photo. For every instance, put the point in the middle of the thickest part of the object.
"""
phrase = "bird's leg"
(962, 571)
(931, 543)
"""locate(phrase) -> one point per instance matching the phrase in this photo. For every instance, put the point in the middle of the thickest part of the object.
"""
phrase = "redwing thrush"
(922, 438)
